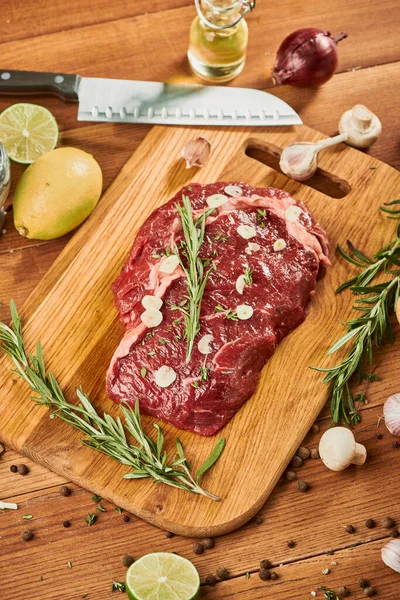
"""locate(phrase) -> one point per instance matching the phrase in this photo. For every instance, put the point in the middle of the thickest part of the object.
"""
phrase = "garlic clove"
(233, 190)
(299, 161)
(196, 152)
(279, 245)
(204, 344)
(391, 555)
(240, 283)
(246, 231)
(391, 412)
(169, 264)
(244, 312)
(165, 376)
(362, 126)
(252, 247)
(216, 200)
(292, 213)
(152, 302)
(151, 317)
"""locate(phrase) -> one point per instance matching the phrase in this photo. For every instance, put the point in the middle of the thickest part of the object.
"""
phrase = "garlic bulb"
(196, 152)
(391, 411)
(391, 555)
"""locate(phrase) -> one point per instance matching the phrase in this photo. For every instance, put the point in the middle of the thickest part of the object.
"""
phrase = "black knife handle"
(31, 82)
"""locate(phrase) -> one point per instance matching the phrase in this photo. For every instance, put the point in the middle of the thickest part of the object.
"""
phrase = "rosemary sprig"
(372, 329)
(193, 268)
(107, 435)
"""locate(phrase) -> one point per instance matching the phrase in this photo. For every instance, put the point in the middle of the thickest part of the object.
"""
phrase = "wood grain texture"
(79, 331)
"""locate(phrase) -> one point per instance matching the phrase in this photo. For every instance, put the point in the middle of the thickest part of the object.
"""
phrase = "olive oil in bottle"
(218, 39)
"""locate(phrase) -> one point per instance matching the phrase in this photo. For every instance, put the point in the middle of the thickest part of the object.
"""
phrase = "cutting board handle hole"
(324, 182)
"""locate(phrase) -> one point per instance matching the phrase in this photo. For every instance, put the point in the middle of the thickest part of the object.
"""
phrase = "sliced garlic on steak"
(204, 344)
(169, 264)
(279, 245)
(252, 247)
(151, 317)
(164, 376)
(152, 302)
(244, 312)
(216, 200)
(233, 190)
(246, 231)
(292, 213)
(240, 283)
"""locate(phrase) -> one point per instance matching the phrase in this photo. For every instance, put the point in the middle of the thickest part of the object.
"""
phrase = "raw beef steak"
(263, 232)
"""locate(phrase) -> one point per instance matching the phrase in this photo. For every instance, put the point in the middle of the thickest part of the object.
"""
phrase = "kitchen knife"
(125, 101)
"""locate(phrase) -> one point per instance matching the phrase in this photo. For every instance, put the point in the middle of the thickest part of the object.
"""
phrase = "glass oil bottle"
(218, 39)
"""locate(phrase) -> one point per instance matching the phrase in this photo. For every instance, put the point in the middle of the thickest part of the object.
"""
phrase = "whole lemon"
(56, 193)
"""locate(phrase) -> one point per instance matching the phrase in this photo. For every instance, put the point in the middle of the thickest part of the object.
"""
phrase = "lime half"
(27, 131)
(162, 576)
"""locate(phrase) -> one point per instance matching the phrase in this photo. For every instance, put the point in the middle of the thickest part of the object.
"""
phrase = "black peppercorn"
(27, 535)
(290, 475)
(303, 452)
(379, 436)
(197, 548)
(350, 529)
(64, 490)
(274, 575)
(125, 518)
(303, 486)
(369, 591)
(127, 560)
(23, 469)
(258, 520)
(222, 573)
(169, 534)
(363, 583)
(14, 469)
(291, 544)
(265, 564)
(394, 532)
(388, 523)
(264, 574)
(370, 523)
(395, 444)
(314, 428)
(210, 580)
(296, 462)
(66, 523)
(207, 543)
(343, 592)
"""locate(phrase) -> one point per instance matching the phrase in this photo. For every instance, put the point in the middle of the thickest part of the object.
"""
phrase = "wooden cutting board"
(72, 313)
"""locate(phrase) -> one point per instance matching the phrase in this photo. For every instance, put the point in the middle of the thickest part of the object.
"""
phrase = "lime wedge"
(27, 131)
(162, 576)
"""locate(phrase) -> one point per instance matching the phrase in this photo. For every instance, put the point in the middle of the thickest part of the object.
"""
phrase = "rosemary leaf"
(212, 458)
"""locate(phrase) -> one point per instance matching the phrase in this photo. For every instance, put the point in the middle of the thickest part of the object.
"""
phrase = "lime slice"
(162, 576)
(27, 131)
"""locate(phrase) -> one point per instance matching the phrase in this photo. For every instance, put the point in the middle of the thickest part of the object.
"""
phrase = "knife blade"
(125, 101)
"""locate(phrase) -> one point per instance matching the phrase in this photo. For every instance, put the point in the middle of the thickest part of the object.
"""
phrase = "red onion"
(307, 57)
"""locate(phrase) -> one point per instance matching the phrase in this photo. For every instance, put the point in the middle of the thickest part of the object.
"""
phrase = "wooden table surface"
(143, 40)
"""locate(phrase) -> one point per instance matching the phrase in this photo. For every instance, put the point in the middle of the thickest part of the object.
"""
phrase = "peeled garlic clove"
(204, 344)
(165, 376)
(240, 283)
(233, 190)
(279, 245)
(391, 555)
(196, 152)
(152, 302)
(169, 264)
(252, 247)
(216, 200)
(151, 317)
(391, 411)
(246, 231)
(244, 312)
(292, 213)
